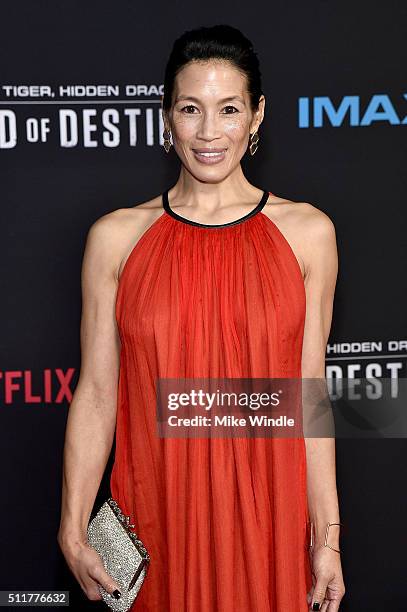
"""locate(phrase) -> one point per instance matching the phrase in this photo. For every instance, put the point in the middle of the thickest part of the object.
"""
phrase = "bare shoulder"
(294, 213)
(304, 226)
(114, 234)
(318, 235)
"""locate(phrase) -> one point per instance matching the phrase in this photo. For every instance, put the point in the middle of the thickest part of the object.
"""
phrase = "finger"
(325, 606)
(320, 606)
(90, 588)
(334, 605)
(311, 589)
(101, 576)
(310, 595)
(319, 593)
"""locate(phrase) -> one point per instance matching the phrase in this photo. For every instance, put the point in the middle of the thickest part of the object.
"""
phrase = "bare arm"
(321, 273)
(92, 413)
(321, 259)
(320, 281)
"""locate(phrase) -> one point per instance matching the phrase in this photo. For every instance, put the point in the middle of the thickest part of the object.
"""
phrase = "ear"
(258, 115)
(163, 113)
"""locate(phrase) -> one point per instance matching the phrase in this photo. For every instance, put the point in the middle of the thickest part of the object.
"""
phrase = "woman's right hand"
(87, 567)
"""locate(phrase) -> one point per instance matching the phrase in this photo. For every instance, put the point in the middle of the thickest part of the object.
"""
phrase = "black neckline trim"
(254, 211)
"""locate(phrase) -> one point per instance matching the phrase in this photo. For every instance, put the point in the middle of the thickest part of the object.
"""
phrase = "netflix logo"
(50, 386)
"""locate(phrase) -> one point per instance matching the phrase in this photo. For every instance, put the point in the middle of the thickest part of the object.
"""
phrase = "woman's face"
(211, 113)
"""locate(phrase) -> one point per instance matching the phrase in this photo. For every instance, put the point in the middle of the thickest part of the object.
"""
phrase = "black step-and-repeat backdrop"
(81, 135)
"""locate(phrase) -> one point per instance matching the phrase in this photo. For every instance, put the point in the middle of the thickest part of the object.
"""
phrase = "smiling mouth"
(209, 153)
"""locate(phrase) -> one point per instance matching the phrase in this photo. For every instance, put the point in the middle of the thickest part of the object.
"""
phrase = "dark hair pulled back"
(221, 42)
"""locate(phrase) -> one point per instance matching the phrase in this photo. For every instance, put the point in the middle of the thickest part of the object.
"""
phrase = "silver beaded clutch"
(124, 556)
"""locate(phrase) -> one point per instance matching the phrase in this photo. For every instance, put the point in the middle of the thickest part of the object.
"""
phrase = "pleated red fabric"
(224, 519)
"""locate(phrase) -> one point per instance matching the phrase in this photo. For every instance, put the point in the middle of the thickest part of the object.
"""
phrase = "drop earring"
(167, 141)
(254, 139)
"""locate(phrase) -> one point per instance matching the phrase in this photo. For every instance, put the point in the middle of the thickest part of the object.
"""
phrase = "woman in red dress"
(212, 278)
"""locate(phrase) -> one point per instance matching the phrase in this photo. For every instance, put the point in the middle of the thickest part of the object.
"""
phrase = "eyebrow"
(228, 99)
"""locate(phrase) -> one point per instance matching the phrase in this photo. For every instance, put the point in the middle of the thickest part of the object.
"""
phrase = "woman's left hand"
(328, 587)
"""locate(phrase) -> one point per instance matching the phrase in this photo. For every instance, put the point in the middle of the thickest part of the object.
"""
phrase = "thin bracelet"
(326, 536)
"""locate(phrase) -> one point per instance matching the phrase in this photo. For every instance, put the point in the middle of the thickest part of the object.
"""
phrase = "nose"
(209, 128)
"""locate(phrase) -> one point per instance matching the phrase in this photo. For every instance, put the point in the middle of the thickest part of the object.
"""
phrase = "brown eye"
(188, 106)
(233, 108)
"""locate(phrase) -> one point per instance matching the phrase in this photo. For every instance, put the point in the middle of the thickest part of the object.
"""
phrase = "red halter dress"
(225, 520)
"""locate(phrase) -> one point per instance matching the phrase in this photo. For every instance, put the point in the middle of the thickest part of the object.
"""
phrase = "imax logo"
(314, 112)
